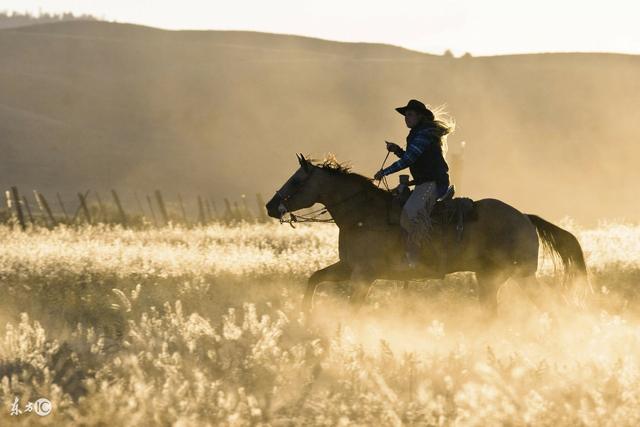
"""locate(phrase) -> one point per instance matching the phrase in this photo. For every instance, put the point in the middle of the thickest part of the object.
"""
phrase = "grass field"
(202, 326)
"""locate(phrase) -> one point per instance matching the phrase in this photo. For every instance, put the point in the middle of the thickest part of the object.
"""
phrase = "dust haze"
(201, 324)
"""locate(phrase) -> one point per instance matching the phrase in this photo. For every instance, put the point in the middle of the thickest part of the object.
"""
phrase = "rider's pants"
(415, 218)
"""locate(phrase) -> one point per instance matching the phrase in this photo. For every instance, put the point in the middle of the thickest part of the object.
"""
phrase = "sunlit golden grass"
(169, 252)
(202, 327)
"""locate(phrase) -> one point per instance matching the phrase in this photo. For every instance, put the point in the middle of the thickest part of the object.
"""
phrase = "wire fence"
(140, 210)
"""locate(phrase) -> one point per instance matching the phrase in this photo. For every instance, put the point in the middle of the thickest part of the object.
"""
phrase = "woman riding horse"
(425, 160)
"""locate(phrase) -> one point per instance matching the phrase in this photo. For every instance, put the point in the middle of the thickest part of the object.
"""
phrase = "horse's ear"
(304, 163)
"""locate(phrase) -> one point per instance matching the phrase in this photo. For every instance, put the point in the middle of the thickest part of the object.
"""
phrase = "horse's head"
(300, 191)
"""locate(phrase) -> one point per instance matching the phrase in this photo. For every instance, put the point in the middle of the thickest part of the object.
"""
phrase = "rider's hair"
(441, 126)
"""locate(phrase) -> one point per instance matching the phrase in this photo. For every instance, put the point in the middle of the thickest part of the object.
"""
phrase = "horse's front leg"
(337, 272)
(362, 278)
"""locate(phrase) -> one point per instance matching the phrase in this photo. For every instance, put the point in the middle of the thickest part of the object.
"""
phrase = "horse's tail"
(560, 242)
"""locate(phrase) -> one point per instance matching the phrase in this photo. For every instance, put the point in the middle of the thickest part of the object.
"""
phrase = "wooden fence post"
(228, 213)
(215, 208)
(44, 207)
(103, 212)
(153, 214)
(161, 207)
(116, 199)
(28, 208)
(48, 209)
(85, 209)
(79, 208)
(9, 203)
(201, 218)
(16, 203)
(209, 213)
(184, 213)
(39, 203)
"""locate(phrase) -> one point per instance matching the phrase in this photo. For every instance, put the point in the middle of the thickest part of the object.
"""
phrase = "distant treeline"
(17, 19)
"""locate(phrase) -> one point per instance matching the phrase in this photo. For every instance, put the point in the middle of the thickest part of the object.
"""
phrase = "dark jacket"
(424, 158)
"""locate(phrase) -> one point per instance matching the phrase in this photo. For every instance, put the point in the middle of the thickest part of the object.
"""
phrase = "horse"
(501, 243)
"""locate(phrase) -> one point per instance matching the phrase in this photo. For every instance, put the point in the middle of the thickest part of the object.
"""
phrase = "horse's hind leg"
(533, 289)
(489, 282)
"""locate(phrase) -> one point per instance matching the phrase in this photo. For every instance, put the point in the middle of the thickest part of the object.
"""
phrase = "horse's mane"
(334, 167)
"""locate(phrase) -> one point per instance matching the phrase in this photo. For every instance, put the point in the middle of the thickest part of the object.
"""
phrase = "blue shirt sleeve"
(415, 148)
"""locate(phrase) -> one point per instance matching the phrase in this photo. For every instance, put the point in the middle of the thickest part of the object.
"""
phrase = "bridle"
(313, 215)
(309, 216)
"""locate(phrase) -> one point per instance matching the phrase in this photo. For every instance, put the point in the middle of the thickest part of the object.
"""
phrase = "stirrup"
(411, 260)
(448, 194)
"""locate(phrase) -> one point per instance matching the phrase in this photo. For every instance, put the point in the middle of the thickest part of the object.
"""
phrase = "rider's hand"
(378, 176)
(394, 148)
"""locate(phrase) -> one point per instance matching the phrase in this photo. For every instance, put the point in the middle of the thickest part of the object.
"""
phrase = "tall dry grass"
(202, 327)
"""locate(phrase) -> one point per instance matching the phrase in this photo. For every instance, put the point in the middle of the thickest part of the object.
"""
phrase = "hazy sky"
(482, 27)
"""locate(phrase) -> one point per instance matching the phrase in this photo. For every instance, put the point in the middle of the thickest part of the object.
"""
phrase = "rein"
(384, 178)
(313, 215)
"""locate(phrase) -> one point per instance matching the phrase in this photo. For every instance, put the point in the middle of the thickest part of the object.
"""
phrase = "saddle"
(447, 210)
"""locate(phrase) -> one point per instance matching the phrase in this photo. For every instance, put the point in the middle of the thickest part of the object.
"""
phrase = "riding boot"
(435, 257)
(412, 254)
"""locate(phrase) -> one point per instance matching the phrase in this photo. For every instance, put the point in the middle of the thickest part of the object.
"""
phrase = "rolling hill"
(104, 105)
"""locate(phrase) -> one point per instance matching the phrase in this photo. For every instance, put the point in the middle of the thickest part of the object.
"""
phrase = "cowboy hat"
(415, 105)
